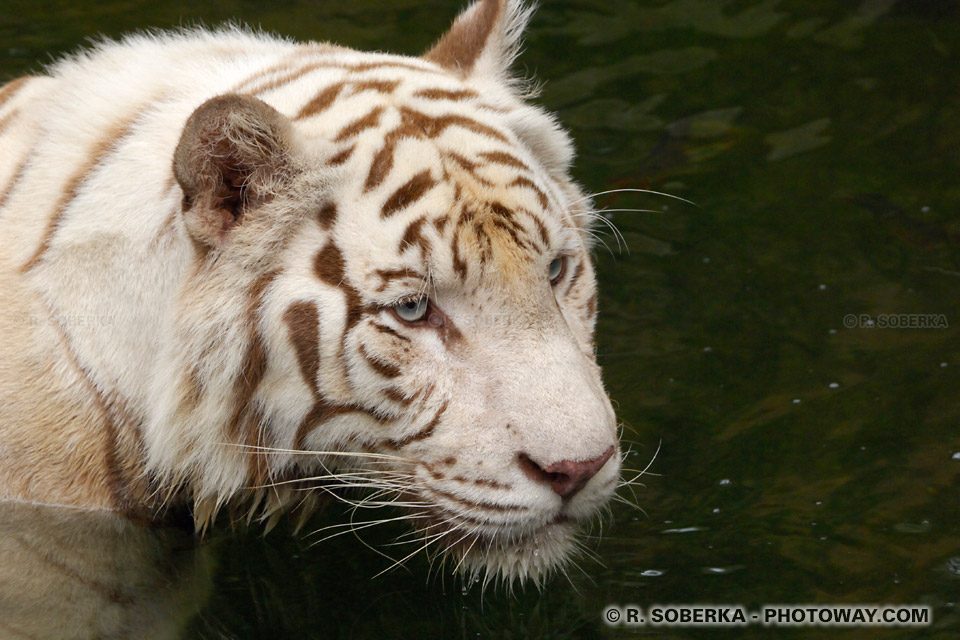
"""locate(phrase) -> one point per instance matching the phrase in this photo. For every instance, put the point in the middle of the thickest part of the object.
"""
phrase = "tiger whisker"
(400, 563)
(632, 190)
(613, 228)
(353, 526)
(306, 452)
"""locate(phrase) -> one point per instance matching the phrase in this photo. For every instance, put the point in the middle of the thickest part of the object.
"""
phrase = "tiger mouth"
(506, 553)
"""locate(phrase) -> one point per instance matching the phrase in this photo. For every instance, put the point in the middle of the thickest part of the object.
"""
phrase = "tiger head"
(394, 292)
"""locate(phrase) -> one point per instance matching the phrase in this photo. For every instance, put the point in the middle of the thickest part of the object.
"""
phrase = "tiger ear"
(484, 39)
(232, 156)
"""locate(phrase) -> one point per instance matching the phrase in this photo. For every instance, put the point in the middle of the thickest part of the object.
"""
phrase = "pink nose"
(566, 477)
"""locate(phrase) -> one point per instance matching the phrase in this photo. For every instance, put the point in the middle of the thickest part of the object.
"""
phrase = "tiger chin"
(239, 272)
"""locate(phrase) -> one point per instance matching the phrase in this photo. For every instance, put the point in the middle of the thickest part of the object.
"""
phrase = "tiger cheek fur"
(362, 270)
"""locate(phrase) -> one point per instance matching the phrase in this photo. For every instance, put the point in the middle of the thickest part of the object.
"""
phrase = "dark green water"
(805, 457)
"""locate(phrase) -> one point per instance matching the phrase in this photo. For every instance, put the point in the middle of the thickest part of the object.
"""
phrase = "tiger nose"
(566, 477)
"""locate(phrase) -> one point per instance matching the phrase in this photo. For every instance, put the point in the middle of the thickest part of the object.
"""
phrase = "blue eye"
(556, 269)
(412, 310)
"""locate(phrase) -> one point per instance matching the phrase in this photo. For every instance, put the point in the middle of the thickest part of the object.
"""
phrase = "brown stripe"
(467, 215)
(502, 508)
(260, 75)
(117, 481)
(341, 157)
(321, 102)
(577, 272)
(414, 189)
(512, 232)
(381, 165)
(244, 422)
(483, 482)
(501, 210)
(440, 223)
(368, 121)
(290, 74)
(303, 327)
(323, 411)
(397, 396)
(367, 66)
(424, 433)
(469, 166)
(328, 265)
(327, 215)
(458, 264)
(418, 125)
(542, 230)
(189, 392)
(392, 274)
(387, 276)
(280, 81)
(7, 119)
(380, 86)
(318, 414)
(501, 157)
(433, 126)
(413, 237)
(10, 89)
(527, 183)
(390, 331)
(592, 305)
(445, 94)
(14, 179)
(385, 369)
(96, 154)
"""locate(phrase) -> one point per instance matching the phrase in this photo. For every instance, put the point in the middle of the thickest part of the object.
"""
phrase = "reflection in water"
(69, 574)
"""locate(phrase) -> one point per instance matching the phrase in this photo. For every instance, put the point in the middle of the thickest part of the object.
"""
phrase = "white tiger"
(235, 267)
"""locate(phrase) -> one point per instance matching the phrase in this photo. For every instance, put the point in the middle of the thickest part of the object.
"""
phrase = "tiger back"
(240, 271)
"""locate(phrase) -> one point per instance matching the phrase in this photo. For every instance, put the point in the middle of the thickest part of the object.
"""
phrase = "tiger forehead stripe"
(369, 121)
(433, 126)
(389, 275)
(341, 157)
(321, 101)
(326, 97)
(469, 166)
(542, 230)
(284, 73)
(413, 237)
(527, 183)
(501, 157)
(414, 124)
(411, 191)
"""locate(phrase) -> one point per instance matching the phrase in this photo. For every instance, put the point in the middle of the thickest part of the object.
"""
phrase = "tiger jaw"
(516, 543)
